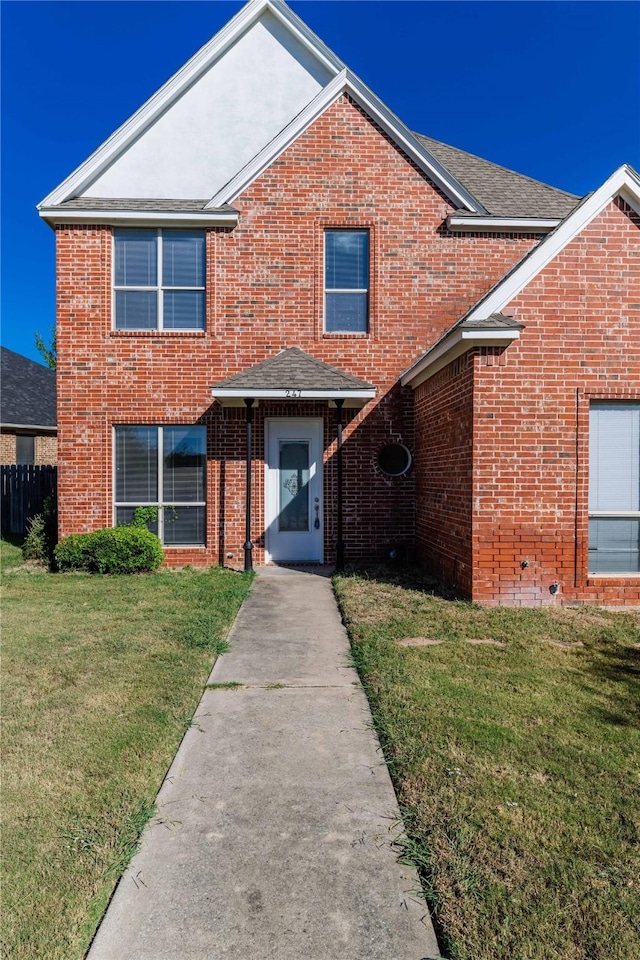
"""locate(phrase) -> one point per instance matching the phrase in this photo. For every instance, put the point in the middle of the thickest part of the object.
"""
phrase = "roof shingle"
(28, 395)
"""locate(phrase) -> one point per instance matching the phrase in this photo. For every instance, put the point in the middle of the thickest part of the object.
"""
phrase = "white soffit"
(214, 114)
(452, 346)
(347, 82)
(139, 218)
(624, 182)
(464, 224)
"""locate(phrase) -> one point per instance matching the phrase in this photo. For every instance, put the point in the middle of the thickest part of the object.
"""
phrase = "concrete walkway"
(274, 825)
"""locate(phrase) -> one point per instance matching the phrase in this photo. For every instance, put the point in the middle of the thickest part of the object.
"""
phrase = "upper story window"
(159, 279)
(614, 488)
(346, 281)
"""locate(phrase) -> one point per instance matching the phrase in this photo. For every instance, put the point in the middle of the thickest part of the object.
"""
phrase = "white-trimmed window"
(165, 468)
(614, 488)
(158, 279)
(346, 281)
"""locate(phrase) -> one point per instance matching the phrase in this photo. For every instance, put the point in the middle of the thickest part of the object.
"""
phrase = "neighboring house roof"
(293, 369)
(28, 394)
(502, 192)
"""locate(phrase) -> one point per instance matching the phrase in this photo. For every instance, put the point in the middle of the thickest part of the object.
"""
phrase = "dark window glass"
(137, 465)
(136, 258)
(184, 464)
(346, 281)
(25, 449)
(183, 258)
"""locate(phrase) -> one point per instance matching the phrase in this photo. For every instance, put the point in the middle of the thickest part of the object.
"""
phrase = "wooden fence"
(24, 490)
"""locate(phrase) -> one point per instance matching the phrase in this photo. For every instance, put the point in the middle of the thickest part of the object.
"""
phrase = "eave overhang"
(458, 341)
(28, 426)
(59, 216)
(232, 397)
(472, 224)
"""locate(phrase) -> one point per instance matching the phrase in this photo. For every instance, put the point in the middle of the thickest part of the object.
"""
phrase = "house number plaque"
(293, 393)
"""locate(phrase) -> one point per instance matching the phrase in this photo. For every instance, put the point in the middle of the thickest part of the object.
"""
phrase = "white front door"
(293, 491)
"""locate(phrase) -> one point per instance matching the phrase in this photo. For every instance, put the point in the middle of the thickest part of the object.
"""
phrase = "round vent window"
(394, 459)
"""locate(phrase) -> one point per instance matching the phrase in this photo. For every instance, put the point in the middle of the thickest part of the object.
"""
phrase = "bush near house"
(118, 550)
(513, 740)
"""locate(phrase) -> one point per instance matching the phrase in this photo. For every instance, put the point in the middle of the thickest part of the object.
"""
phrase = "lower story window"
(163, 468)
(614, 488)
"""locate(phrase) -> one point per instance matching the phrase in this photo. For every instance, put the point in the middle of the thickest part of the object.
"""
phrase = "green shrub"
(75, 552)
(114, 550)
(41, 536)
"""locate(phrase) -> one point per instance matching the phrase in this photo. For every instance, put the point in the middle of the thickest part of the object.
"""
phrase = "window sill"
(595, 578)
(338, 335)
(185, 546)
(157, 333)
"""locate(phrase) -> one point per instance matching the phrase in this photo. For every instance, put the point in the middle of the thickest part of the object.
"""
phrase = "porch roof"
(293, 374)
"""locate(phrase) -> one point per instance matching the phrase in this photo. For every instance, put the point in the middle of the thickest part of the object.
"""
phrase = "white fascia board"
(503, 224)
(453, 345)
(139, 218)
(27, 426)
(291, 393)
(346, 82)
(624, 182)
(101, 158)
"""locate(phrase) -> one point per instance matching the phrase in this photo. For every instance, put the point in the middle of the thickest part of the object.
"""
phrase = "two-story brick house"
(303, 332)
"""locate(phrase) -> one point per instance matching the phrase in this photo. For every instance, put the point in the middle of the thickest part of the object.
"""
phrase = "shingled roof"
(292, 369)
(28, 397)
(502, 192)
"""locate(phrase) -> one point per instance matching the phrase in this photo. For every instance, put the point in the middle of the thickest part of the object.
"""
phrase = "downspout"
(248, 546)
(340, 540)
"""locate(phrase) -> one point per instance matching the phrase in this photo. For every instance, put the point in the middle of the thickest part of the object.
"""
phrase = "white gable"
(220, 121)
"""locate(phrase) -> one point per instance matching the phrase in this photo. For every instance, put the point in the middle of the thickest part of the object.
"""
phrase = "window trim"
(160, 504)
(595, 400)
(159, 289)
(347, 228)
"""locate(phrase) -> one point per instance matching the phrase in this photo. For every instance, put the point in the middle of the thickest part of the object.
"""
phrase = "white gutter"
(457, 342)
(27, 426)
(140, 218)
(502, 224)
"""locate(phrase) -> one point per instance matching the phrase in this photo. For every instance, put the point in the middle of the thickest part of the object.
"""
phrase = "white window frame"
(159, 288)
(159, 504)
(326, 289)
(611, 515)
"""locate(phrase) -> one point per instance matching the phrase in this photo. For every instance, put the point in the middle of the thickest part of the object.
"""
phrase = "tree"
(48, 352)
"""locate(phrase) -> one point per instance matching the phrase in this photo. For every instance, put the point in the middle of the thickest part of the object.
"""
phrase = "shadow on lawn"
(620, 665)
(405, 575)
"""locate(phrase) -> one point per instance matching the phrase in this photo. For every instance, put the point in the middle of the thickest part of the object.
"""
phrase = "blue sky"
(550, 89)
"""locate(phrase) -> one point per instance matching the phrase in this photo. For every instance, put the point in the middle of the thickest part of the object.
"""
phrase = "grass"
(517, 766)
(101, 676)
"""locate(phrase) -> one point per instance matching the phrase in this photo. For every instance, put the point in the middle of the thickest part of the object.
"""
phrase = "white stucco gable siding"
(221, 121)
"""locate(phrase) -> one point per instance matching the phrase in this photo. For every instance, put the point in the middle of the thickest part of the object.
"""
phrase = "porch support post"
(340, 540)
(248, 546)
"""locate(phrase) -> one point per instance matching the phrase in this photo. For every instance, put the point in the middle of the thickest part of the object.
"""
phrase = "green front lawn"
(100, 679)
(516, 760)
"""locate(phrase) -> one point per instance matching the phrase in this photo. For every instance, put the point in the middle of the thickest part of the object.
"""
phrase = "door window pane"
(294, 486)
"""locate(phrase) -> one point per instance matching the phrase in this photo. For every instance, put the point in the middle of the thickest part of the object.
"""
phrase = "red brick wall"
(264, 293)
(444, 464)
(531, 419)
